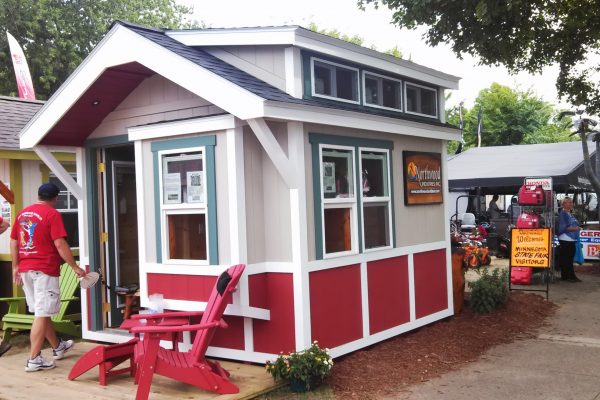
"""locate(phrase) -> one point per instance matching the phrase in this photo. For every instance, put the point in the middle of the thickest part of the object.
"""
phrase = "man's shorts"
(42, 293)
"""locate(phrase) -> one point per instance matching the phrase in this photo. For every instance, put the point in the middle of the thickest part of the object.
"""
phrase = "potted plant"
(304, 370)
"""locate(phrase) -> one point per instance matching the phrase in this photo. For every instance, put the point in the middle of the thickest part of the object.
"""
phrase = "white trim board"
(183, 127)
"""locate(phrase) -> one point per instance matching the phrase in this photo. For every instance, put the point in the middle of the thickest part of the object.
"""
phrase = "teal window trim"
(317, 140)
(208, 143)
(307, 86)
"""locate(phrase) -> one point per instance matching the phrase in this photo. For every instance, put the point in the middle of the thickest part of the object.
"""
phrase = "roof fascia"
(306, 39)
(121, 46)
(350, 119)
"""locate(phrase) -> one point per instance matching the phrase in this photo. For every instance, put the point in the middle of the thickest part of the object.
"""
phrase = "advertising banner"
(590, 241)
(530, 248)
(422, 178)
(22, 74)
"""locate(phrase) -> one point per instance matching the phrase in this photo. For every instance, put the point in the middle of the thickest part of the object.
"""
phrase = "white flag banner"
(24, 83)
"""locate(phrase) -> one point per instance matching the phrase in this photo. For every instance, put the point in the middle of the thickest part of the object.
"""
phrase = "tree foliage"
(56, 35)
(509, 117)
(520, 34)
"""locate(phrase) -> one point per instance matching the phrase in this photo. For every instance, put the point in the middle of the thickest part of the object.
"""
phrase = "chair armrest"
(181, 328)
(12, 299)
(70, 299)
(173, 314)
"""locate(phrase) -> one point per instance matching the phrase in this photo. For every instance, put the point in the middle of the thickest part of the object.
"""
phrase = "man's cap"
(48, 190)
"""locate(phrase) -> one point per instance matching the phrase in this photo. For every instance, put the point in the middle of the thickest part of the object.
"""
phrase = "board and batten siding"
(156, 99)
(412, 224)
(264, 62)
(268, 215)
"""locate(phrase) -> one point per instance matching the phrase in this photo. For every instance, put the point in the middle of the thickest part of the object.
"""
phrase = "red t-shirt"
(35, 229)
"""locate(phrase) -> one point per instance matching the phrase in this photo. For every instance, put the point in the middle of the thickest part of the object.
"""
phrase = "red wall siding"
(275, 292)
(233, 336)
(431, 287)
(335, 305)
(182, 287)
(388, 293)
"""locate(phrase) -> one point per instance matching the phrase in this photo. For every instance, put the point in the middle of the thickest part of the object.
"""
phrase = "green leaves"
(56, 35)
(489, 291)
(519, 34)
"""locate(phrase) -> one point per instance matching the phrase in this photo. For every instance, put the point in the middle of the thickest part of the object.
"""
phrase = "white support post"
(273, 149)
(299, 236)
(81, 209)
(48, 158)
(237, 222)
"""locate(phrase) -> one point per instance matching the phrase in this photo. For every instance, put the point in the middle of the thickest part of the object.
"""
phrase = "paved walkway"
(562, 363)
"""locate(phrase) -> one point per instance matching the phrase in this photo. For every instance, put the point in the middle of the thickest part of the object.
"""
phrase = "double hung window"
(353, 195)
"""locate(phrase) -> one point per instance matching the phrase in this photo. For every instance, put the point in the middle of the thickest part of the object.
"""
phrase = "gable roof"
(506, 166)
(15, 113)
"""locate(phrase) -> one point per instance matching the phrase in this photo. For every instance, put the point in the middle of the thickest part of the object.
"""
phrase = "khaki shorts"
(42, 293)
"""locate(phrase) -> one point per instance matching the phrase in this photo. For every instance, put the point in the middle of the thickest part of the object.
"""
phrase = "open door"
(121, 251)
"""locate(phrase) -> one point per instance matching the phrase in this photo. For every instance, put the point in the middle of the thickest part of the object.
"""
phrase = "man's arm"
(65, 252)
(14, 254)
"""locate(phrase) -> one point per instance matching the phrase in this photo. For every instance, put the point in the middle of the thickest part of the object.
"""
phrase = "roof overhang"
(357, 120)
(313, 41)
(122, 53)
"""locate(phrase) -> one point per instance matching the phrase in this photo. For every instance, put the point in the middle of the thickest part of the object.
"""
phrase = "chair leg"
(146, 371)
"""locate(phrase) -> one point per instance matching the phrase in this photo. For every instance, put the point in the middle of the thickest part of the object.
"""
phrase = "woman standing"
(568, 229)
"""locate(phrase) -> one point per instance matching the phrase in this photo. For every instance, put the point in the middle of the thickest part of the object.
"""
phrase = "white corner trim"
(48, 158)
(183, 127)
(357, 120)
(274, 151)
(121, 46)
(293, 72)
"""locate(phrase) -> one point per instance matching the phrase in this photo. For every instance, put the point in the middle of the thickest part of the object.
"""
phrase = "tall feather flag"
(461, 126)
(479, 126)
(24, 83)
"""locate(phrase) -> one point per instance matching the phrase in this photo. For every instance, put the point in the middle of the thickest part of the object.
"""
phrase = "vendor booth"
(317, 163)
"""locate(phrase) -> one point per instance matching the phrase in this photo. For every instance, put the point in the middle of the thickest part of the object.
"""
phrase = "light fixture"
(95, 103)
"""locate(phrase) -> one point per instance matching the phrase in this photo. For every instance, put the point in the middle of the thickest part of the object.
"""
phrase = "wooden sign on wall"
(422, 178)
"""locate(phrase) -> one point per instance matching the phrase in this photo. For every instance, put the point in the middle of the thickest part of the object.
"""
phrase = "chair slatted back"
(215, 307)
(69, 283)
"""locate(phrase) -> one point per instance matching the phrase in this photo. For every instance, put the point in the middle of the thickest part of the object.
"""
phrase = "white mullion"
(411, 287)
(364, 291)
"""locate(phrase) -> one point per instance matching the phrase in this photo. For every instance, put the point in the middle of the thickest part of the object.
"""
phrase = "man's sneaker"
(38, 364)
(63, 347)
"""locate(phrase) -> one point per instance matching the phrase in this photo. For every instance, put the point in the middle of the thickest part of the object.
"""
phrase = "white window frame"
(333, 80)
(381, 199)
(181, 208)
(406, 84)
(341, 202)
(69, 210)
(380, 91)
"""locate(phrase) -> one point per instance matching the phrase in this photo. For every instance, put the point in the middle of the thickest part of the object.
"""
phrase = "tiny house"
(317, 163)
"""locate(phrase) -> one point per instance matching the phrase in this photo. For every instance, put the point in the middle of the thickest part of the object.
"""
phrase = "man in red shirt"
(38, 248)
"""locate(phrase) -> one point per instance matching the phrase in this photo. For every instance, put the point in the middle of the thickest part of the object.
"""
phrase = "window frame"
(206, 144)
(333, 81)
(342, 202)
(421, 87)
(364, 91)
(182, 208)
(318, 141)
(379, 199)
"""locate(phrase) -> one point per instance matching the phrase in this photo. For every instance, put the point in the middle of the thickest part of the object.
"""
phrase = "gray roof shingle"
(15, 113)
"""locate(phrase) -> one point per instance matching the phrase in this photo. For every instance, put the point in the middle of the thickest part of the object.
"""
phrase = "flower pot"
(298, 386)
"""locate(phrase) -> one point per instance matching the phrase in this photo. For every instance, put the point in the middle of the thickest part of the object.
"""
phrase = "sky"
(374, 26)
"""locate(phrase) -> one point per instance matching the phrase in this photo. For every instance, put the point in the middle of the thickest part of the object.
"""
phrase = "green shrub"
(489, 291)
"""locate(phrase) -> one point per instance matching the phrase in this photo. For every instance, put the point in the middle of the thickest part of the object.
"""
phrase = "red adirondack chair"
(191, 367)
